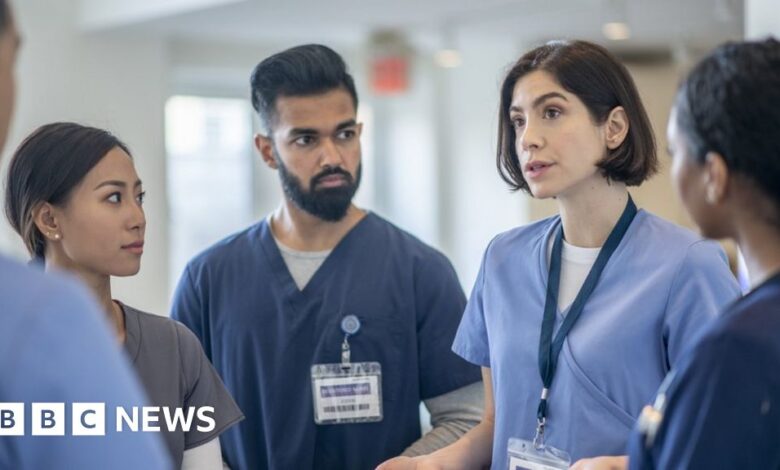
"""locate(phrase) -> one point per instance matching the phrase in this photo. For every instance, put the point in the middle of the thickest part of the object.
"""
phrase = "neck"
(589, 213)
(99, 284)
(302, 231)
(758, 242)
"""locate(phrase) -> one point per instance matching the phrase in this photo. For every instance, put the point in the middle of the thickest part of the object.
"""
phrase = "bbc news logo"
(90, 419)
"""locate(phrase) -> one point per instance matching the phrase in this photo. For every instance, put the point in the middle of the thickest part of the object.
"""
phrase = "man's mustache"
(330, 172)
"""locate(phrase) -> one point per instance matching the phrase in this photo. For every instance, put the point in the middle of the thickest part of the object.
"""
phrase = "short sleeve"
(188, 309)
(721, 410)
(204, 389)
(439, 302)
(63, 352)
(703, 287)
(471, 341)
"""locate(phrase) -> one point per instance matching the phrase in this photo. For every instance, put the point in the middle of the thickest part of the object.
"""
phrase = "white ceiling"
(655, 24)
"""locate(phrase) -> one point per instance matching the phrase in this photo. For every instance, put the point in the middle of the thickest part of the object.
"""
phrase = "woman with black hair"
(577, 318)
(720, 407)
(74, 197)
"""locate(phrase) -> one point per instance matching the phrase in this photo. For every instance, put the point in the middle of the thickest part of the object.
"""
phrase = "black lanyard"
(549, 349)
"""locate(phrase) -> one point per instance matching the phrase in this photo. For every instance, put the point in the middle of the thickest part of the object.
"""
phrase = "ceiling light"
(448, 58)
(616, 31)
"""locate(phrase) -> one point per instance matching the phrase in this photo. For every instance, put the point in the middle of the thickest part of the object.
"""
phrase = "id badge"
(349, 393)
(523, 455)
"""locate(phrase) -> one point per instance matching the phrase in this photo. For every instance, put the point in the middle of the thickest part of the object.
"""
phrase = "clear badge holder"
(347, 392)
(526, 455)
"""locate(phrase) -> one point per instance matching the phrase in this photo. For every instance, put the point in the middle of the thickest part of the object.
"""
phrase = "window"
(209, 173)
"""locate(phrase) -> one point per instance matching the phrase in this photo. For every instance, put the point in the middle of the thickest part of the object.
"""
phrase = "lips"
(137, 247)
(536, 168)
(332, 179)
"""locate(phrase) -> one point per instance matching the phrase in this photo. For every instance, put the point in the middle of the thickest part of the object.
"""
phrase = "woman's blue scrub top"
(659, 288)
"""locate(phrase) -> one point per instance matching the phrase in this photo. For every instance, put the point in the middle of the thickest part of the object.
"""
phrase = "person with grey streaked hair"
(56, 348)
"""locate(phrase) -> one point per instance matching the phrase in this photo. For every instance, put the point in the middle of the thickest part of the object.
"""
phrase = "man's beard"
(329, 204)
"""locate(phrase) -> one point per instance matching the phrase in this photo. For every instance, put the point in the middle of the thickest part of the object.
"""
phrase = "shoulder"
(752, 322)
(167, 329)
(654, 235)
(189, 344)
(150, 321)
(229, 249)
(519, 238)
(736, 344)
(32, 297)
(655, 232)
(30, 285)
(749, 324)
(402, 243)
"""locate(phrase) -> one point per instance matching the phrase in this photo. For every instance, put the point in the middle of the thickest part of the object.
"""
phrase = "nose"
(331, 154)
(137, 218)
(529, 137)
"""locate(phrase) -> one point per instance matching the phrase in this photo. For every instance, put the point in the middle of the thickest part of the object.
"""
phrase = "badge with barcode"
(350, 393)
(524, 455)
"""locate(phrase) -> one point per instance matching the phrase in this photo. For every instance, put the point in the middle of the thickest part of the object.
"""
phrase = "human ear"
(716, 174)
(616, 127)
(265, 148)
(45, 218)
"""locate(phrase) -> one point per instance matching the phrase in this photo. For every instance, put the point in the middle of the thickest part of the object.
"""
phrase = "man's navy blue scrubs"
(721, 408)
(263, 335)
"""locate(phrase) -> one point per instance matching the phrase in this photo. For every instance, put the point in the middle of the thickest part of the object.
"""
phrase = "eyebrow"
(538, 101)
(310, 130)
(121, 184)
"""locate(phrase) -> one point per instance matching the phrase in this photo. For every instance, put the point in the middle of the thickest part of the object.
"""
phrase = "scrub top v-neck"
(263, 335)
(662, 285)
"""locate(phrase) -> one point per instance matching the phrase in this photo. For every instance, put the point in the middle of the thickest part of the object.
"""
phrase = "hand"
(410, 463)
(619, 462)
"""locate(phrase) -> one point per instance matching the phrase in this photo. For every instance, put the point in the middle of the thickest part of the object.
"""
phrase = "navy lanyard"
(549, 349)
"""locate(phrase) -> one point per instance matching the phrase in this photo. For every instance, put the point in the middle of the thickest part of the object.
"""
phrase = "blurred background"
(170, 78)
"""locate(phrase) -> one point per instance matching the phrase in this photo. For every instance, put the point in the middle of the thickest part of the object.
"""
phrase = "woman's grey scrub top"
(177, 374)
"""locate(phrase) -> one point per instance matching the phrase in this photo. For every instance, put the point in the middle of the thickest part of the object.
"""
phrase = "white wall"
(762, 17)
(405, 152)
(477, 203)
(111, 82)
(222, 69)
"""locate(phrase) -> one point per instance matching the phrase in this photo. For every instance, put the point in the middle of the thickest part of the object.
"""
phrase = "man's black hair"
(305, 70)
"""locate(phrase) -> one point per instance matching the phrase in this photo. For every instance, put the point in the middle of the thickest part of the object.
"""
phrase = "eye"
(552, 113)
(140, 198)
(114, 198)
(517, 122)
(346, 134)
(304, 140)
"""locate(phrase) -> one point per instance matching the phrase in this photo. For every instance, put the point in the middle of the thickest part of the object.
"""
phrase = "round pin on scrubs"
(350, 324)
